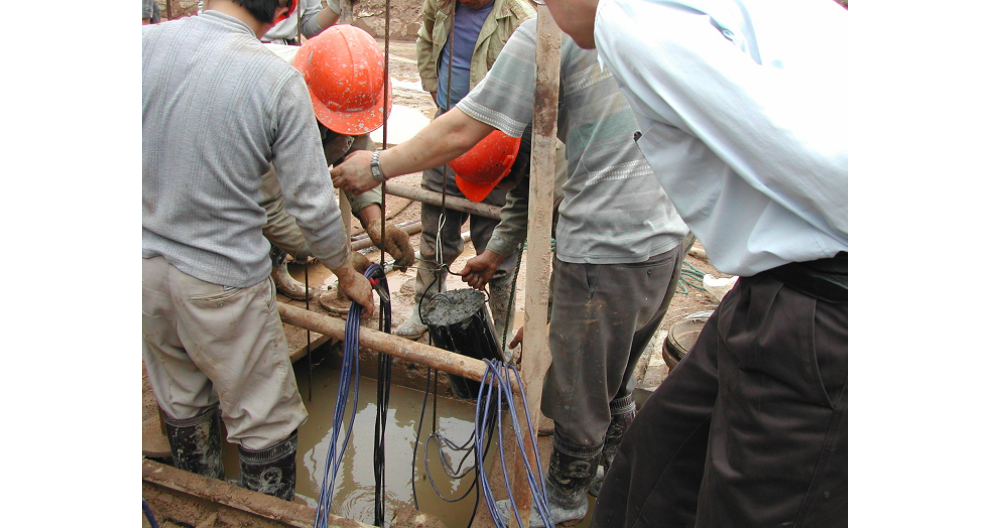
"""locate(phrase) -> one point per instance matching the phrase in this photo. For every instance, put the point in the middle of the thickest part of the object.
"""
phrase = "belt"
(823, 279)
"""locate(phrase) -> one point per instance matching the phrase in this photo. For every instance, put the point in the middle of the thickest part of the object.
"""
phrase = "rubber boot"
(285, 283)
(413, 328)
(623, 411)
(271, 471)
(567, 482)
(196, 444)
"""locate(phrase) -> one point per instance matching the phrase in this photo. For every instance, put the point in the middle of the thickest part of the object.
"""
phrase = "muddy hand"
(479, 270)
(354, 174)
(356, 287)
(395, 243)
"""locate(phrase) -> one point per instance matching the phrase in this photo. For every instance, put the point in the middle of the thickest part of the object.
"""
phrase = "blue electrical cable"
(496, 384)
(348, 378)
(148, 514)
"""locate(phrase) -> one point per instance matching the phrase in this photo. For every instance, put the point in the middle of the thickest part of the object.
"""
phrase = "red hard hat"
(479, 170)
(344, 69)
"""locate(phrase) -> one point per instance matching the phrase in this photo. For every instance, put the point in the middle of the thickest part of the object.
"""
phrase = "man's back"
(217, 107)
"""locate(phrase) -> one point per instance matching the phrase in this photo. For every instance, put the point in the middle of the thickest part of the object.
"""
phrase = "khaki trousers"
(206, 344)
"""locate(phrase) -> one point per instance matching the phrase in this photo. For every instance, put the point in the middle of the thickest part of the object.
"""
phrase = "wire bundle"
(349, 384)
(496, 385)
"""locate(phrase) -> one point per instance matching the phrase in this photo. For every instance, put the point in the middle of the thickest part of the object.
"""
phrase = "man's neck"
(229, 7)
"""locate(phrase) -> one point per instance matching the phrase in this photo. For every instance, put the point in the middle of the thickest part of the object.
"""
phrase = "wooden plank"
(235, 497)
(536, 348)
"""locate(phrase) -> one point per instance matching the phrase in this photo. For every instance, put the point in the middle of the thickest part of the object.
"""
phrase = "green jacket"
(505, 17)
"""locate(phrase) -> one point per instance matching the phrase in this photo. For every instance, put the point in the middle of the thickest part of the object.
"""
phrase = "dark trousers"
(750, 429)
(602, 320)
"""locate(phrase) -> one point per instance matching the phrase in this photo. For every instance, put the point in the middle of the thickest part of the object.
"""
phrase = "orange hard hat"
(480, 169)
(344, 69)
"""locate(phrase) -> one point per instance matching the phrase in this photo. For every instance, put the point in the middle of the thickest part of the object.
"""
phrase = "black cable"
(383, 393)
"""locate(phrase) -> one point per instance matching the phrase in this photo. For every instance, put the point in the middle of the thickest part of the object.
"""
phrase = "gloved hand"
(359, 262)
(395, 243)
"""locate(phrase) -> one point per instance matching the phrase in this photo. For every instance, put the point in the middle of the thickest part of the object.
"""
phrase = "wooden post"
(536, 348)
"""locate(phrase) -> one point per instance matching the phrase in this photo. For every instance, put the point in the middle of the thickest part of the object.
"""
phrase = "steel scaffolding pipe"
(434, 198)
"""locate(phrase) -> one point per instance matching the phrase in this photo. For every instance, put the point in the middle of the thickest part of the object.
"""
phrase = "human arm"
(447, 137)
(301, 169)
(315, 19)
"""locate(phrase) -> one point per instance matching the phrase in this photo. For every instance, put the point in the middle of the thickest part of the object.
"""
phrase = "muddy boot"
(195, 443)
(623, 411)
(271, 471)
(567, 483)
(413, 328)
(285, 283)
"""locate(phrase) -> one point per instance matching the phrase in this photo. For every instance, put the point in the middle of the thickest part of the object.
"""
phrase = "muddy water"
(354, 493)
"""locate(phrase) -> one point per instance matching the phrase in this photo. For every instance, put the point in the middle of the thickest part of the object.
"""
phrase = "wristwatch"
(376, 168)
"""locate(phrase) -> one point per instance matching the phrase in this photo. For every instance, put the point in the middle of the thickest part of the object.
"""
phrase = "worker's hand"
(359, 262)
(395, 243)
(354, 174)
(479, 270)
(434, 96)
(356, 287)
(517, 340)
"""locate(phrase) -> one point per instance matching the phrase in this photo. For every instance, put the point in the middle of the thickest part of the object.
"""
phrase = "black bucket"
(459, 322)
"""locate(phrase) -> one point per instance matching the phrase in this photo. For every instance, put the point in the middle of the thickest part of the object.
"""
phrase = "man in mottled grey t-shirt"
(618, 246)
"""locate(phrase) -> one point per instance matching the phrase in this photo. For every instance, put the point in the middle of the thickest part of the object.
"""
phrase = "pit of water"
(354, 492)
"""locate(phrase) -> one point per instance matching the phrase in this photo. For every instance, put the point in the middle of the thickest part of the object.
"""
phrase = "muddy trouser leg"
(598, 329)
(500, 286)
(204, 344)
(767, 377)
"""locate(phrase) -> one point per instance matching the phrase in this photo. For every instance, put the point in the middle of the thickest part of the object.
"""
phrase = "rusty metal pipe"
(395, 346)
(435, 198)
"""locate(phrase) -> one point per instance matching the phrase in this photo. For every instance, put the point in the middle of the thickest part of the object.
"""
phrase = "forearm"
(513, 220)
(447, 137)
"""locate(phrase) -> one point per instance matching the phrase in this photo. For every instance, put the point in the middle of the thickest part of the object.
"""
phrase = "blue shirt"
(467, 27)
(742, 108)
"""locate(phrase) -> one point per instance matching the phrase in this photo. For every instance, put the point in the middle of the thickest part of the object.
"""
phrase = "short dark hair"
(263, 10)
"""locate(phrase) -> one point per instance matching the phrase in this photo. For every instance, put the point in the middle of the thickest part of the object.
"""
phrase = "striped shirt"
(613, 210)
(218, 106)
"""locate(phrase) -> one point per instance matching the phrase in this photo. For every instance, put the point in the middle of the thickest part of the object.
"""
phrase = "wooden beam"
(231, 496)
(536, 347)
(396, 346)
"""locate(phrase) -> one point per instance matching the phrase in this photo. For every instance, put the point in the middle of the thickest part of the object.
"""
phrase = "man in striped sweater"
(217, 109)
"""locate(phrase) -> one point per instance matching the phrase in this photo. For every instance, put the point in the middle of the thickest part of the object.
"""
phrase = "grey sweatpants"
(603, 317)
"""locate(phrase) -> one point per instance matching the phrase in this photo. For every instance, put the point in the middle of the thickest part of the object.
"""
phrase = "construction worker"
(747, 119)
(344, 70)
(456, 46)
(212, 337)
(310, 19)
(618, 245)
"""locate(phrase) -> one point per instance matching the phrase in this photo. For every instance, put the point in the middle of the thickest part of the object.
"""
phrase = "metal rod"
(435, 198)
(395, 346)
